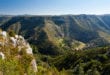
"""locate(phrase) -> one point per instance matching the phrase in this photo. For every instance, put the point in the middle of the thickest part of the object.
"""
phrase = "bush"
(11, 33)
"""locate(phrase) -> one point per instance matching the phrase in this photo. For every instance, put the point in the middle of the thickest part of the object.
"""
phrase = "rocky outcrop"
(16, 47)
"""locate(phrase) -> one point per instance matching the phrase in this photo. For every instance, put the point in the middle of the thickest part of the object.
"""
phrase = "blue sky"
(54, 7)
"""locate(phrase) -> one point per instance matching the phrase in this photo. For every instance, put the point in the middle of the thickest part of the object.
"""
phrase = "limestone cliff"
(16, 48)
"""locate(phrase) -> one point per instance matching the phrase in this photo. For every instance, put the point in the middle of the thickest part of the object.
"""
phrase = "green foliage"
(34, 48)
(10, 67)
(50, 71)
(79, 70)
(93, 72)
(87, 62)
(11, 33)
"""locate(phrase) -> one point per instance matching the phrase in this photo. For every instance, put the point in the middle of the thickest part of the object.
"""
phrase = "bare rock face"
(16, 47)
(33, 64)
(2, 55)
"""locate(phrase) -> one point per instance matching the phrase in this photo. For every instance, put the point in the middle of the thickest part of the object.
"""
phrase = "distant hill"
(53, 34)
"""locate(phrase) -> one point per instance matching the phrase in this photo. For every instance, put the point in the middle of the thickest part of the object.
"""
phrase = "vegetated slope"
(16, 56)
(54, 34)
(94, 61)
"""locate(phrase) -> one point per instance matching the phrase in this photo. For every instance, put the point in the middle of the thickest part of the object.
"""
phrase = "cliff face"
(16, 48)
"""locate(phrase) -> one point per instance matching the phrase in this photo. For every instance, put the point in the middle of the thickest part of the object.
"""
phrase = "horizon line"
(48, 14)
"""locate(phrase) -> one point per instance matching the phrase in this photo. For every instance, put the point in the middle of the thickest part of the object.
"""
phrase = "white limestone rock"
(20, 37)
(29, 50)
(1, 43)
(3, 33)
(16, 36)
(2, 55)
(14, 41)
(34, 65)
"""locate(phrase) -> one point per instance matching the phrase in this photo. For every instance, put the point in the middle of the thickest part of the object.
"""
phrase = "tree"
(11, 33)
(93, 71)
(79, 70)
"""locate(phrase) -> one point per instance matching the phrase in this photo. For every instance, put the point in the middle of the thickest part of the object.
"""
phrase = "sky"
(54, 7)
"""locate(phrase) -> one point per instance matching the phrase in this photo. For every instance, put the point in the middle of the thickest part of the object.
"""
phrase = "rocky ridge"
(17, 48)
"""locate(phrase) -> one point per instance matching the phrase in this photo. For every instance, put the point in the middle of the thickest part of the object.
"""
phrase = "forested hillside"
(66, 44)
(51, 34)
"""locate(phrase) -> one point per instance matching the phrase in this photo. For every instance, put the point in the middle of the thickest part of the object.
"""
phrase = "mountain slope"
(51, 34)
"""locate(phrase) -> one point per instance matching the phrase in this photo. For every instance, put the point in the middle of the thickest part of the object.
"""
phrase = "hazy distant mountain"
(51, 34)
